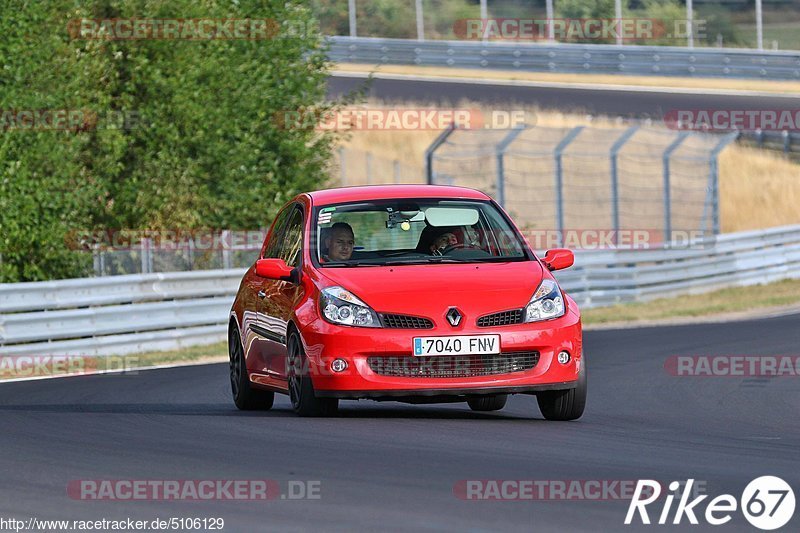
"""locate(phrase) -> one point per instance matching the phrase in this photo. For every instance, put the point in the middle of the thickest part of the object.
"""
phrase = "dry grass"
(780, 87)
(758, 188)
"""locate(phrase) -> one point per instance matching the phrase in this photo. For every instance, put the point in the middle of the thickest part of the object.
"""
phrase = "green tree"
(210, 148)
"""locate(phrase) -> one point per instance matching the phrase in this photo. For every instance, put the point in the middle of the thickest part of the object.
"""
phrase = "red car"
(413, 293)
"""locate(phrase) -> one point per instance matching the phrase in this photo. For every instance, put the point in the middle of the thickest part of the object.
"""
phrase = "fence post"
(420, 20)
(440, 140)
(682, 136)
(226, 242)
(190, 251)
(96, 260)
(501, 148)
(713, 181)
(615, 149)
(144, 248)
(351, 12)
(559, 152)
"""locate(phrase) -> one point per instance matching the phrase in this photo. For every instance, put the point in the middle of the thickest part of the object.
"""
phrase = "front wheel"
(245, 397)
(494, 402)
(565, 404)
(301, 389)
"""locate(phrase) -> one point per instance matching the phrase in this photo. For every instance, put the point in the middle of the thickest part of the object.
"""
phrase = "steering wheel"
(459, 246)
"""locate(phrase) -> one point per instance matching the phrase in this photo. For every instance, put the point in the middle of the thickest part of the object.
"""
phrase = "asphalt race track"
(594, 100)
(390, 466)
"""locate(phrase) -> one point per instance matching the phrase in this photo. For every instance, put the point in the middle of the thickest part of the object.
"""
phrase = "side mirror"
(558, 258)
(274, 269)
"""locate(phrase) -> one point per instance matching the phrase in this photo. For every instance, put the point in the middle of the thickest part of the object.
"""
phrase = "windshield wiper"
(422, 261)
(441, 259)
(334, 264)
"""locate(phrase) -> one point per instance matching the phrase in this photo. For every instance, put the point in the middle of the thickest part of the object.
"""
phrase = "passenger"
(338, 243)
(442, 242)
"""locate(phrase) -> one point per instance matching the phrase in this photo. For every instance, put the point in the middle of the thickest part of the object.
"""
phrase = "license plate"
(457, 345)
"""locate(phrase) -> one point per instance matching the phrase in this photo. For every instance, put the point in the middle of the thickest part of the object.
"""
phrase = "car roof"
(389, 192)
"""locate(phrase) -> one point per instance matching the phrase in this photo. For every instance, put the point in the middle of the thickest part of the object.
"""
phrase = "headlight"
(546, 303)
(341, 306)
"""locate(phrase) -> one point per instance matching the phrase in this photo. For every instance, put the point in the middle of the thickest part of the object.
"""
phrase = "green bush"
(209, 149)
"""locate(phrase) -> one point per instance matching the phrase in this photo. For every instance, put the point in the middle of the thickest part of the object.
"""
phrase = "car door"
(284, 296)
(257, 342)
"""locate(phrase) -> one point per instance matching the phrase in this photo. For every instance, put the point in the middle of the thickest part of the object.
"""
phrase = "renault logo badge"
(454, 316)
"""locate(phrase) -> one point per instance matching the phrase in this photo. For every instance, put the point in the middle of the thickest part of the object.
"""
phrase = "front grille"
(405, 322)
(504, 318)
(453, 366)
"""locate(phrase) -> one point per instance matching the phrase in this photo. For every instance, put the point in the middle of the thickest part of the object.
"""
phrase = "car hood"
(430, 290)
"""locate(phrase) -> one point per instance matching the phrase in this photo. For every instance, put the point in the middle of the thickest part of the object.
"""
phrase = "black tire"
(565, 404)
(301, 389)
(245, 397)
(495, 402)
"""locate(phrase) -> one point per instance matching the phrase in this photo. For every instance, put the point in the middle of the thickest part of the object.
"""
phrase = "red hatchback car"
(412, 293)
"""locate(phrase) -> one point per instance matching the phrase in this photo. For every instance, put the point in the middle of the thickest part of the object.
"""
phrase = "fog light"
(339, 365)
(563, 357)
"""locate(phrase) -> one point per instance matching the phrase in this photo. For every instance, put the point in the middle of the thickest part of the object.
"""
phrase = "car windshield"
(398, 232)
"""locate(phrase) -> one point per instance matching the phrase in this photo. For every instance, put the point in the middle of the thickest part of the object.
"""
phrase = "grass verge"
(15, 367)
(194, 354)
(722, 302)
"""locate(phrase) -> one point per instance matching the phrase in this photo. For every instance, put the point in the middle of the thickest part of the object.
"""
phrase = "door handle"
(262, 294)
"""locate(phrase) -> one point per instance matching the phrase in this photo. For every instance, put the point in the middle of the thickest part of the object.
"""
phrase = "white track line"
(134, 370)
(563, 85)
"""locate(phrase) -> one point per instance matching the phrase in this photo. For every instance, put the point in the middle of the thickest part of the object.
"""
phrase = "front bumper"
(325, 342)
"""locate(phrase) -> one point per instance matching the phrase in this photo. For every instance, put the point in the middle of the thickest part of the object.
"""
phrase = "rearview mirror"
(558, 258)
(274, 268)
(451, 216)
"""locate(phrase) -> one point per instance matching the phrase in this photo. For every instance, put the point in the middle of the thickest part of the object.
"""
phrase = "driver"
(339, 243)
(440, 243)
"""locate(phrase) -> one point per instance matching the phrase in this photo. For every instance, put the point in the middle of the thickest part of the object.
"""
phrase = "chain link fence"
(589, 178)
(613, 180)
(176, 251)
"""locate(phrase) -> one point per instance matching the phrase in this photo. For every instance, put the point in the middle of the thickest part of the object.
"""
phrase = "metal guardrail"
(594, 58)
(608, 277)
(116, 315)
(146, 312)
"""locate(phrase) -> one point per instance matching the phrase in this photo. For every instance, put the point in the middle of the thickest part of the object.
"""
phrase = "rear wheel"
(565, 404)
(494, 402)
(245, 397)
(301, 389)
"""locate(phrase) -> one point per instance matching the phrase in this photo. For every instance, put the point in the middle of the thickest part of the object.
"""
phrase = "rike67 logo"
(767, 503)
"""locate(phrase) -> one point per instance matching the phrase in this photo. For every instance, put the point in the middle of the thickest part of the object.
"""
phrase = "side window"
(292, 240)
(275, 236)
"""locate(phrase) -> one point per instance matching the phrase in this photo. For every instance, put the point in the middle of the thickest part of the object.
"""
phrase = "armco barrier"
(589, 58)
(145, 312)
